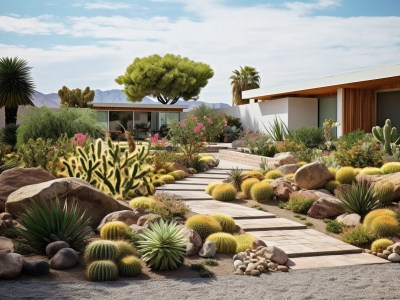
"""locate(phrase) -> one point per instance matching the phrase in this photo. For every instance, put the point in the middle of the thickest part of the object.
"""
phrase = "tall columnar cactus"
(387, 136)
(109, 169)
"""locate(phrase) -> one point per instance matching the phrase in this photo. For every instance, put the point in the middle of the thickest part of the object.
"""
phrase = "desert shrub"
(101, 250)
(332, 185)
(51, 124)
(227, 222)
(334, 226)
(246, 186)
(310, 137)
(115, 230)
(102, 270)
(299, 203)
(352, 137)
(384, 226)
(203, 225)
(236, 177)
(273, 174)
(377, 213)
(358, 198)
(391, 167)
(371, 171)
(259, 144)
(209, 262)
(169, 208)
(345, 175)
(289, 146)
(278, 129)
(162, 245)
(225, 242)
(384, 192)
(46, 222)
(224, 192)
(211, 186)
(244, 241)
(159, 159)
(204, 272)
(129, 266)
(356, 236)
(143, 202)
(380, 245)
(261, 191)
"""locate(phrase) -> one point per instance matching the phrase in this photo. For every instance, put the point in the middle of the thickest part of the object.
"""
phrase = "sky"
(81, 43)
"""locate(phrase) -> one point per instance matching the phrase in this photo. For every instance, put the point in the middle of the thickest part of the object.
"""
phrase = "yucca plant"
(358, 198)
(278, 130)
(162, 245)
(46, 222)
(236, 177)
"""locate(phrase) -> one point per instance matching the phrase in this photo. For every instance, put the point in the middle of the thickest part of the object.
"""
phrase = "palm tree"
(244, 79)
(16, 86)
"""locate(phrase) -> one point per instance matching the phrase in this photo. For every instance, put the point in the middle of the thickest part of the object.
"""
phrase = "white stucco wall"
(303, 112)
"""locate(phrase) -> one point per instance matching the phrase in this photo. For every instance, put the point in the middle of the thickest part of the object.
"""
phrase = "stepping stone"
(216, 171)
(326, 261)
(269, 224)
(192, 180)
(186, 195)
(305, 242)
(211, 176)
(234, 210)
(180, 187)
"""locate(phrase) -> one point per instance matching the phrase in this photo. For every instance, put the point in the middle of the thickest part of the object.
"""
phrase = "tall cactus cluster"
(110, 170)
(387, 136)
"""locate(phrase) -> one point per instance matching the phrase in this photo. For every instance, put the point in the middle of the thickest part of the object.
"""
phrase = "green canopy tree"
(244, 79)
(168, 78)
(16, 86)
(76, 97)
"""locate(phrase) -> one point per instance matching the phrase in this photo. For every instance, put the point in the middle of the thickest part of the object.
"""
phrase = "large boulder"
(312, 176)
(327, 206)
(94, 203)
(208, 250)
(282, 188)
(10, 264)
(276, 254)
(13, 179)
(129, 217)
(374, 179)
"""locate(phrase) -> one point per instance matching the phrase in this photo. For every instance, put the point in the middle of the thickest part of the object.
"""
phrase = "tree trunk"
(11, 114)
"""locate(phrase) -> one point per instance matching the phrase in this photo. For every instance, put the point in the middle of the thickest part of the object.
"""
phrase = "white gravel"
(355, 282)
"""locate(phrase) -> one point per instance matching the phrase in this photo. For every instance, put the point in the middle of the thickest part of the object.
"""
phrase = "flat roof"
(140, 106)
(388, 74)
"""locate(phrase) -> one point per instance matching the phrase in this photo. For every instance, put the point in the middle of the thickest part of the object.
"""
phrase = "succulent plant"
(227, 222)
(371, 171)
(101, 250)
(102, 270)
(167, 178)
(126, 248)
(384, 226)
(207, 159)
(244, 241)
(345, 175)
(358, 198)
(253, 174)
(235, 177)
(273, 174)
(203, 225)
(332, 185)
(162, 245)
(377, 213)
(129, 266)
(225, 242)
(142, 202)
(224, 192)
(387, 136)
(380, 245)
(162, 172)
(332, 171)
(261, 191)
(210, 187)
(115, 230)
(246, 186)
(177, 174)
(384, 192)
(391, 167)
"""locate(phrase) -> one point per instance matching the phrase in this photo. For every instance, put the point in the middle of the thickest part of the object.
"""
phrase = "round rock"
(394, 257)
(66, 258)
(209, 249)
(54, 247)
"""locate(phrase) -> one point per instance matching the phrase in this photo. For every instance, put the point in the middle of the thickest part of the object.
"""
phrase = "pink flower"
(210, 121)
(195, 118)
(163, 142)
(203, 138)
(182, 124)
(225, 122)
(79, 139)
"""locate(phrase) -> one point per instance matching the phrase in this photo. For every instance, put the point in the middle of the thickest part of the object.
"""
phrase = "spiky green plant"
(227, 222)
(345, 175)
(162, 245)
(126, 248)
(384, 192)
(211, 186)
(384, 226)
(204, 272)
(273, 174)
(101, 250)
(261, 192)
(224, 192)
(380, 245)
(203, 225)
(236, 177)
(142, 202)
(278, 130)
(246, 186)
(358, 198)
(391, 167)
(102, 270)
(46, 222)
(244, 241)
(381, 212)
(225, 242)
(115, 230)
(129, 266)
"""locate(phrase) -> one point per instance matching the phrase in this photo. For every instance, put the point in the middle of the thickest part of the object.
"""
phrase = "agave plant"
(358, 198)
(162, 245)
(235, 177)
(278, 130)
(46, 222)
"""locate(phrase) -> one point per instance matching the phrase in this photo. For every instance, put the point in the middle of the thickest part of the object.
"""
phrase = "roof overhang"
(138, 107)
(374, 78)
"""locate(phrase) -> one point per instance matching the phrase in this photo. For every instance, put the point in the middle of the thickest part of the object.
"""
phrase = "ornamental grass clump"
(46, 222)
(162, 246)
(236, 177)
(225, 242)
(204, 225)
(261, 192)
(227, 222)
(225, 192)
(246, 186)
(356, 236)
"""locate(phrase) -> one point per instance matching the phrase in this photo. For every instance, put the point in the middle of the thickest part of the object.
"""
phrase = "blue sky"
(79, 43)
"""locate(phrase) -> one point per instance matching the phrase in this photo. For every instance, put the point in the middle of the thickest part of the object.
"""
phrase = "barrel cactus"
(129, 266)
(384, 226)
(246, 186)
(244, 241)
(211, 186)
(273, 174)
(332, 185)
(101, 250)
(203, 225)
(384, 192)
(345, 175)
(371, 171)
(391, 167)
(102, 270)
(126, 248)
(142, 202)
(167, 178)
(377, 213)
(380, 245)
(225, 242)
(261, 192)
(224, 192)
(115, 230)
(227, 222)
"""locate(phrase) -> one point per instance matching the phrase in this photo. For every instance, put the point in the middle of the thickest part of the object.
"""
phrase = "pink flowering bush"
(156, 143)
(80, 139)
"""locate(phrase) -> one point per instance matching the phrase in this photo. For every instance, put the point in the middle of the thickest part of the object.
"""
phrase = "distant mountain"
(115, 96)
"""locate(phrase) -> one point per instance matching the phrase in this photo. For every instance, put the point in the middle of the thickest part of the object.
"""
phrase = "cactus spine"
(387, 136)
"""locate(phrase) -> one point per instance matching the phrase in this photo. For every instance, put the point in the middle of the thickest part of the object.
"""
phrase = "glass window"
(102, 118)
(167, 117)
(118, 118)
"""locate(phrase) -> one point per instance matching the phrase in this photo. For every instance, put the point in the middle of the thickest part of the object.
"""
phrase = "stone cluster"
(392, 253)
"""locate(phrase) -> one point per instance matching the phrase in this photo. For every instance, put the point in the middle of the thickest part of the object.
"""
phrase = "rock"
(326, 206)
(36, 268)
(5, 216)
(66, 258)
(240, 256)
(144, 220)
(209, 249)
(6, 244)
(276, 254)
(381, 255)
(288, 169)
(238, 143)
(254, 273)
(54, 247)
(13, 179)
(192, 171)
(178, 166)
(258, 243)
(285, 158)
(312, 176)
(396, 248)
(238, 263)
(386, 252)
(283, 269)
(350, 220)
(368, 251)
(193, 240)
(250, 266)
(272, 266)
(260, 268)
(238, 272)
(10, 264)
(129, 217)
(394, 257)
(94, 203)
(136, 228)
(282, 188)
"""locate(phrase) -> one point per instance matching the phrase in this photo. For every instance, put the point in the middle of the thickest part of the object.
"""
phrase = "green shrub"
(311, 137)
(227, 222)
(102, 270)
(352, 137)
(259, 144)
(380, 245)
(209, 262)
(345, 175)
(51, 124)
(384, 192)
(143, 202)
(384, 226)
(169, 208)
(224, 192)
(246, 186)
(356, 236)
(300, 204)
(162, 245)
(210, 187)
(204, 272)
(391, 167)
(44, 222)
(129, 266)
(360, 154)
(261, 192)
(332, 185)
(244, 241)
(377, 213)
(203, 225)
(334, 226)
(225, 242)
(115, 230)
(358, 198)
(101, 250)
(273, 174)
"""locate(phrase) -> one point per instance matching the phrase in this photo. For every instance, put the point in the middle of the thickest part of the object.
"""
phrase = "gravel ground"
(354, 282)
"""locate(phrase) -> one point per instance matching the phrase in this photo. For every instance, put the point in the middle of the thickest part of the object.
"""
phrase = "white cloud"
(43, 25)
(102, 5)
(304, 8)
(284, 44)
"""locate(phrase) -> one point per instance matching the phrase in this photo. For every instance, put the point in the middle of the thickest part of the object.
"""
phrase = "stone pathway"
(306, 248)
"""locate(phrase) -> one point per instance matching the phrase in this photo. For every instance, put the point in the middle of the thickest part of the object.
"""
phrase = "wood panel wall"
(359, 109)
